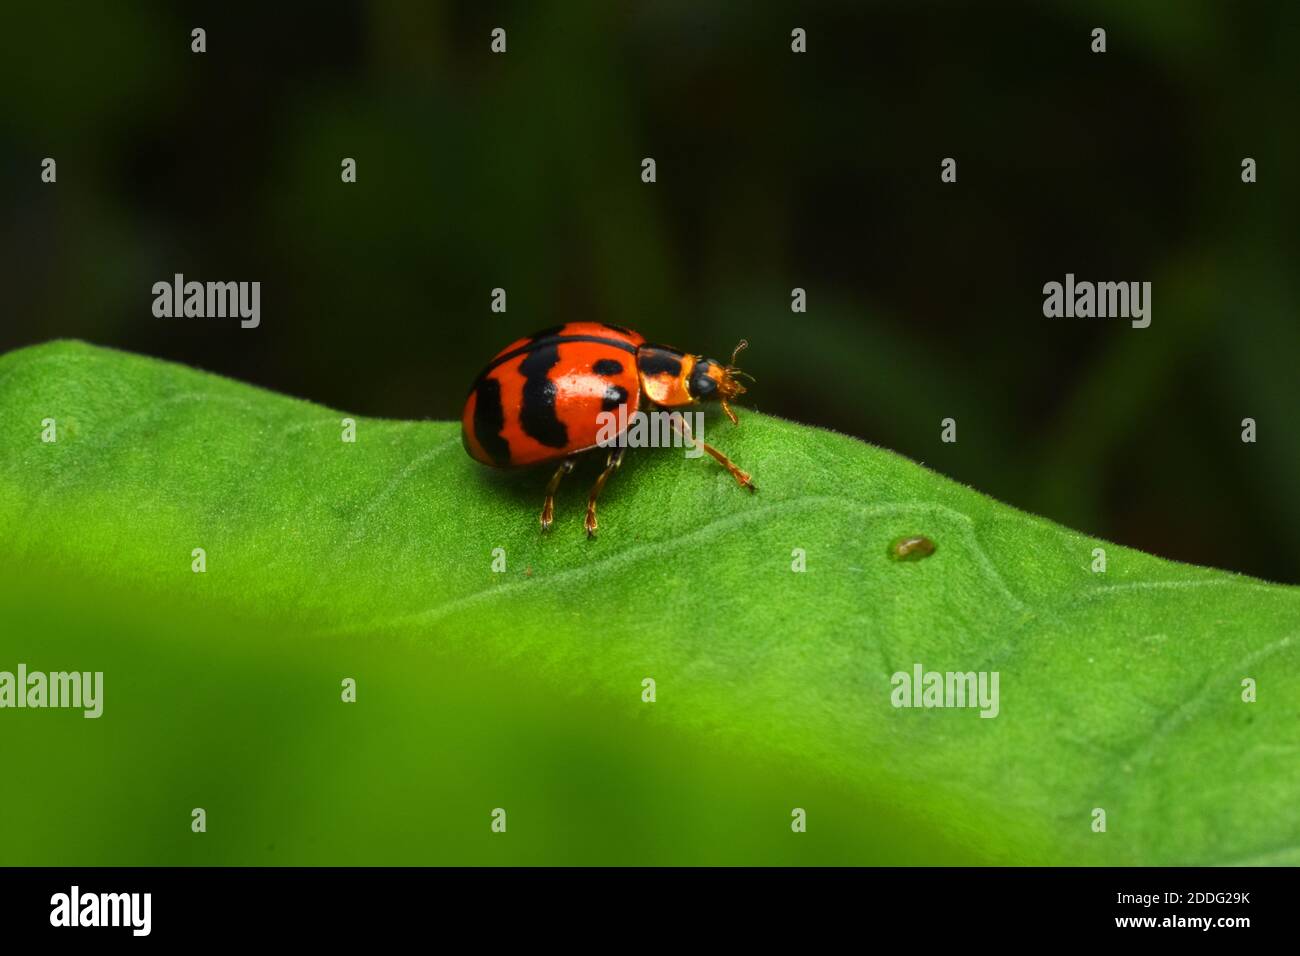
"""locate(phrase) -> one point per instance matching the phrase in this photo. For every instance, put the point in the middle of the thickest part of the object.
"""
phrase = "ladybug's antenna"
(731, 386)
(734, 372)
(731, 367)
(740, 347)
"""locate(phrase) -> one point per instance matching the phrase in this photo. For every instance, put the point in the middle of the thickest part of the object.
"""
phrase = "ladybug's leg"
(615, 459)
(548, 506)
(742, 478)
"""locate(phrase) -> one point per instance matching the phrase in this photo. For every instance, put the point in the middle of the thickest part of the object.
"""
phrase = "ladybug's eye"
(703, 382)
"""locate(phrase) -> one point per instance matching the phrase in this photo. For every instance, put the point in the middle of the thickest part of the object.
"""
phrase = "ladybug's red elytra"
(541, 398)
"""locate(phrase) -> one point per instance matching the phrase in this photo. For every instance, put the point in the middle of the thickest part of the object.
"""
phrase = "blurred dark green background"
(775, 170)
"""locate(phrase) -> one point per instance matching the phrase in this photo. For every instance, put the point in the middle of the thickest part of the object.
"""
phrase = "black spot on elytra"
(489, 419)
(537, 417)
(542, 337)
(657, 361)
(615, 395)
(607, 367)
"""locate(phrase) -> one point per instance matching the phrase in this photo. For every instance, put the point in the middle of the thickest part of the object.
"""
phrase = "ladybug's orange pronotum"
(541, 398)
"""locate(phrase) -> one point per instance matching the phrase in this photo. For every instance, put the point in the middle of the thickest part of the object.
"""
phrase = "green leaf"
(522, 689)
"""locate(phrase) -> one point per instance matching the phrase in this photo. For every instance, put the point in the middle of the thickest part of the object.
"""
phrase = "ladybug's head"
(712, 380)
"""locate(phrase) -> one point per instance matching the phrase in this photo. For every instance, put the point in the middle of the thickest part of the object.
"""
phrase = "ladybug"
(541, 398)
